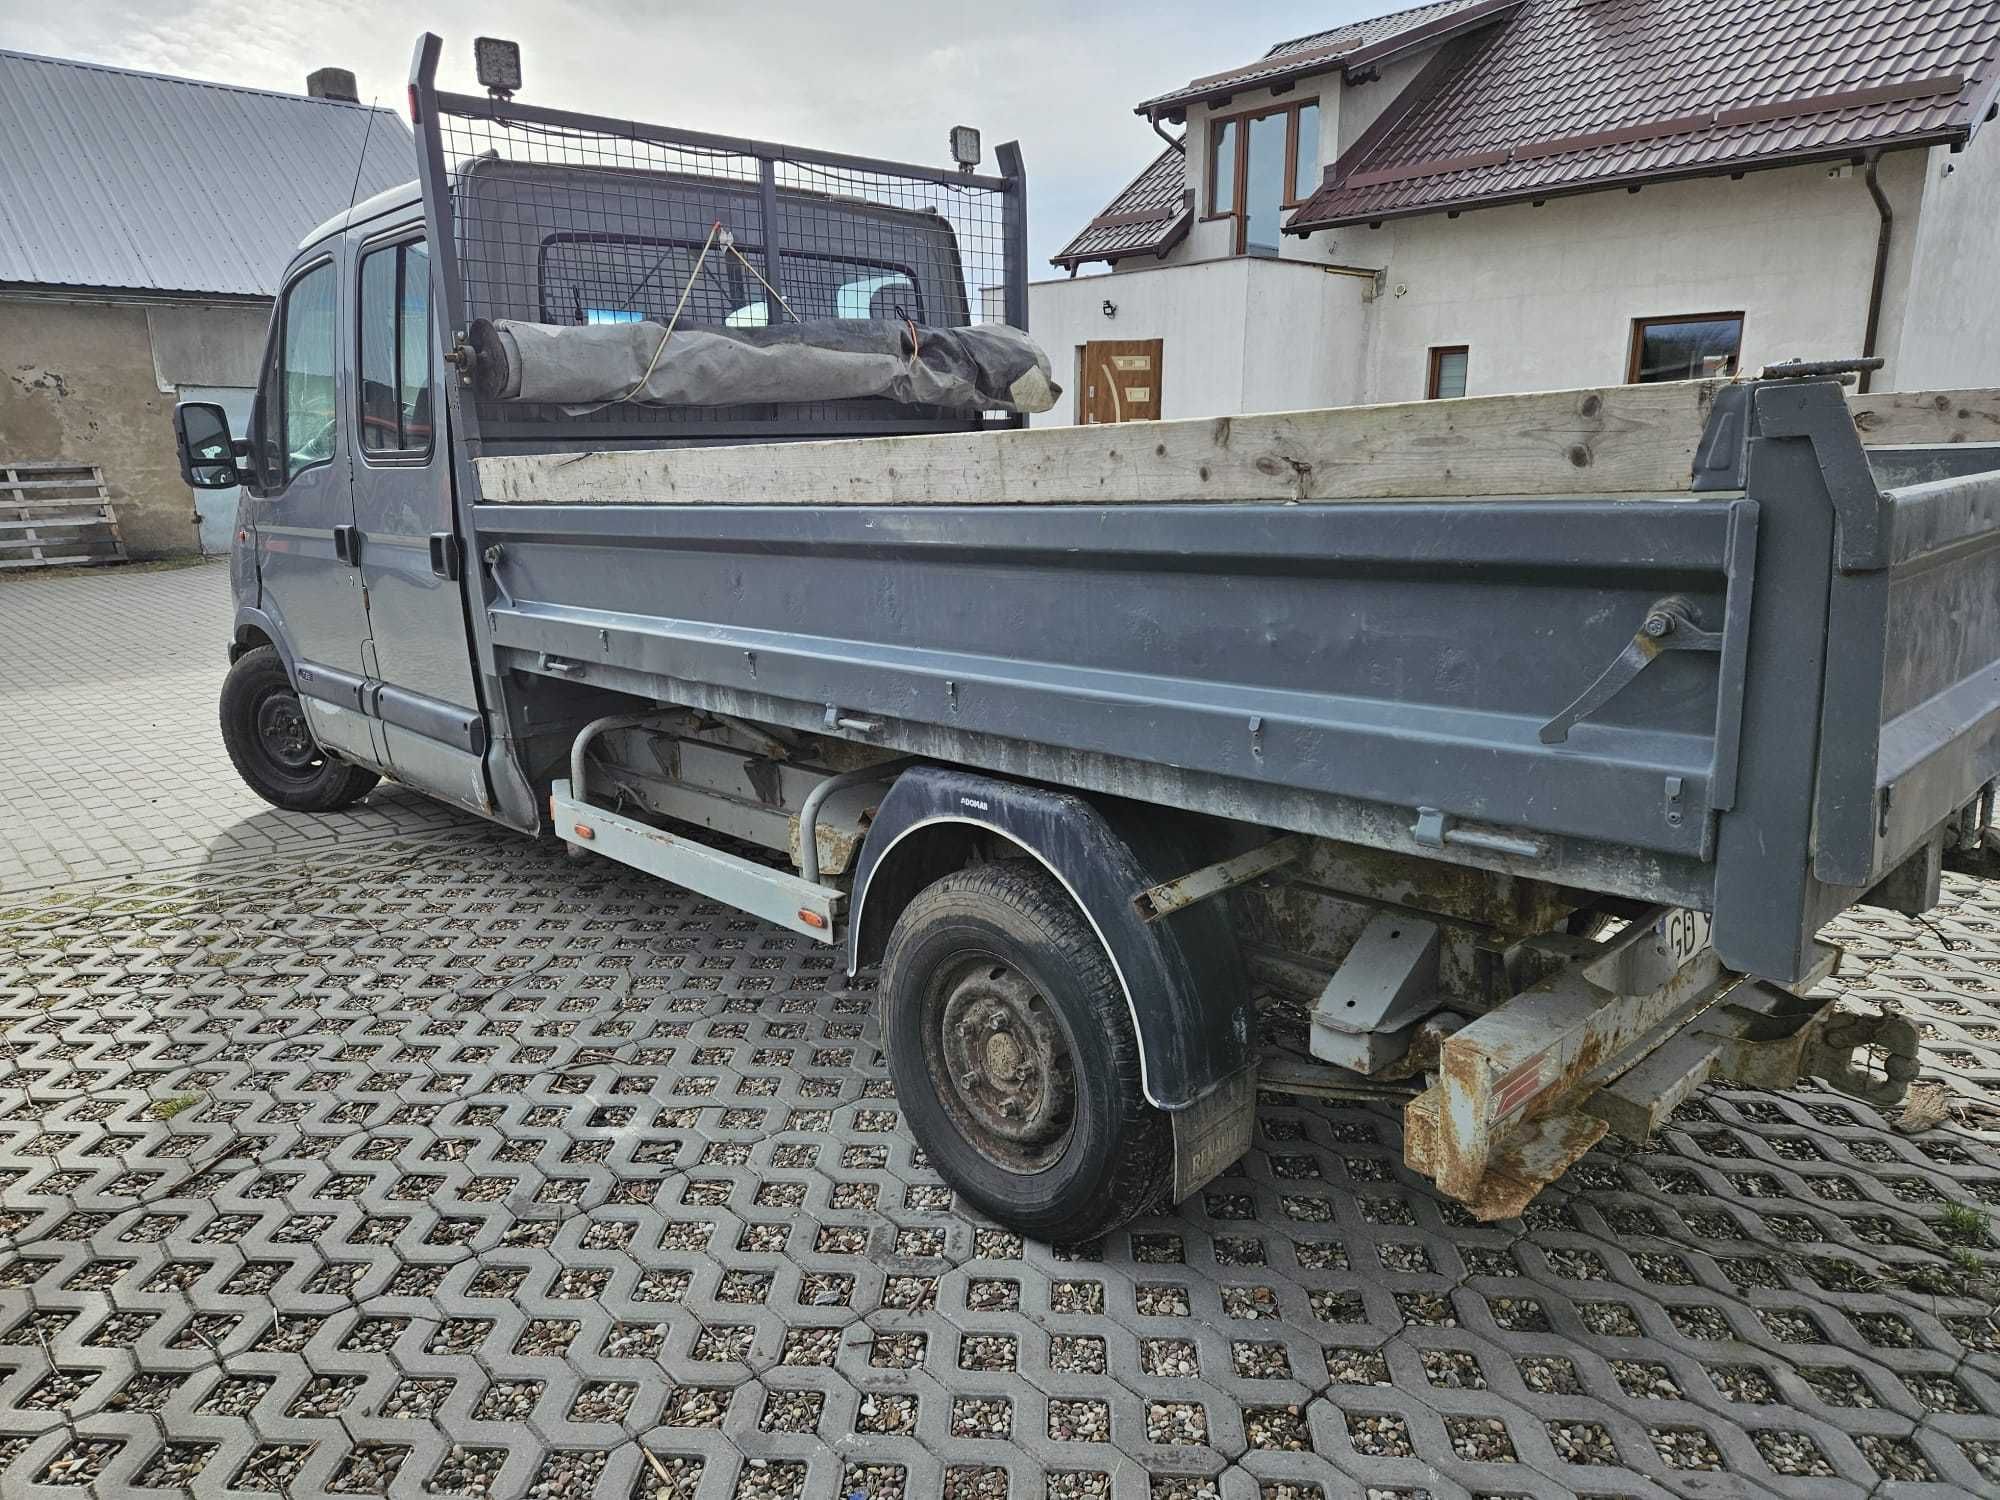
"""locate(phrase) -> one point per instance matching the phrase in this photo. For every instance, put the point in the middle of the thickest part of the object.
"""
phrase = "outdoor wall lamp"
(1110, 308)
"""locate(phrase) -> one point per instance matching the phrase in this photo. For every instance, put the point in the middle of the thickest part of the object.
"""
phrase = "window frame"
(1437, 356)
(268, 419)
(1637, 346)
(397, 241)
(1240, 167)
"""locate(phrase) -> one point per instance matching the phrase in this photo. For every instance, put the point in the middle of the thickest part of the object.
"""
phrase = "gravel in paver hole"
(1281, 1427)
(1080, 1421)
(873, 1481)
(667, 1476)
(966, 1482)
(1792, 1454)
(1582, 1443)
(1379, 1436)
(1078, 1484)
(1480, 1439)
(982, 1417)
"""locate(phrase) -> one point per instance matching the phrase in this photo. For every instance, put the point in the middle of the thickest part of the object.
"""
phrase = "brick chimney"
(332, 83)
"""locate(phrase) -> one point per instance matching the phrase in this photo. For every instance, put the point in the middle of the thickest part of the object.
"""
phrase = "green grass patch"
(1963, 1223)
(166, 1109)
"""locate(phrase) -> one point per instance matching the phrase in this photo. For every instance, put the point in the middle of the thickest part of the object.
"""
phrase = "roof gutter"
(1886, 225)
(1179, 143)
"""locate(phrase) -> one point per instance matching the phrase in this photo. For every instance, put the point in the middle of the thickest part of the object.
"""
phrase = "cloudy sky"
(882, 77)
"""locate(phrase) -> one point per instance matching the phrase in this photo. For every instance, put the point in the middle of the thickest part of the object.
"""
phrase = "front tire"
(1011, 1045)
(265, 731)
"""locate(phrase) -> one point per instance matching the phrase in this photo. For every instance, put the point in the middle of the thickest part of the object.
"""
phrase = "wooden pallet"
(54, 514)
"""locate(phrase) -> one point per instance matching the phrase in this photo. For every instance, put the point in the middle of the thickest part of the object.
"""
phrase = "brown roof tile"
(1146, 218)
(1574, 94)
(1321, 52)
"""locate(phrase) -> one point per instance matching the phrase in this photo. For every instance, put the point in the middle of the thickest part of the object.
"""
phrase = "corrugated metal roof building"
(113, 179)
(144, 223)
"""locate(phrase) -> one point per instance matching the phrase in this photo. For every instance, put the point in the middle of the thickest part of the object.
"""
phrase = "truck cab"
(350, 637)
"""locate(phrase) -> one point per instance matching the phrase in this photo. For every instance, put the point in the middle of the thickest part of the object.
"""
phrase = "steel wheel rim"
(279, 721)
(1002, 1062)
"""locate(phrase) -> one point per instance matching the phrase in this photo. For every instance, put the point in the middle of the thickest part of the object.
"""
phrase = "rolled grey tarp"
(980, 367)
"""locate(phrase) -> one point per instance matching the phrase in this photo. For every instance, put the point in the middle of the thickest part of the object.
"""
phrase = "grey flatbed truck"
(1502, 758)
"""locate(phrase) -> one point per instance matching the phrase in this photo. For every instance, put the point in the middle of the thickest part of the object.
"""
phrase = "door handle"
(444, 555)
(347, 545)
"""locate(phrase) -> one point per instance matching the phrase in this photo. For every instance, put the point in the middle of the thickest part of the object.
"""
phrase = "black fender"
(1183, 980)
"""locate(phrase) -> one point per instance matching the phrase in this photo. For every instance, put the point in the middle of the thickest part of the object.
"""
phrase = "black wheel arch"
(1183, 979)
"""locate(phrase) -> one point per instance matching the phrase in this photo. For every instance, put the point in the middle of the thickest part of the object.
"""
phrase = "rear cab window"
(587, 279)
(394, 391)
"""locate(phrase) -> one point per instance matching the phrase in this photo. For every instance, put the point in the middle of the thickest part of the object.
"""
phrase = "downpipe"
(1887, 217)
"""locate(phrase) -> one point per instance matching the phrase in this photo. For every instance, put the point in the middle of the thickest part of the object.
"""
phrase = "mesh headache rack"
(556, 217)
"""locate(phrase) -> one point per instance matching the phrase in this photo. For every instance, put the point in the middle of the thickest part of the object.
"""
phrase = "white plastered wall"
(1238, 334)
(1949, 330)
(1546, 297)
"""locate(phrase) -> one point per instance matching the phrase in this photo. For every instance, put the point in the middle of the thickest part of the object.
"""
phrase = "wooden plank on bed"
(1923, 418)
(1634, 439)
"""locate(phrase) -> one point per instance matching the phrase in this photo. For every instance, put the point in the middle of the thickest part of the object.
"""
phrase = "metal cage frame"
(436, 115)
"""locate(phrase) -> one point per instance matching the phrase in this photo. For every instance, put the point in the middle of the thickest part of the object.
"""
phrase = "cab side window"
(306, 403)
(396, 350)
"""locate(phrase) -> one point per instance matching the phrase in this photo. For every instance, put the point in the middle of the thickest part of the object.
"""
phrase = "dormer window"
(1260, 164)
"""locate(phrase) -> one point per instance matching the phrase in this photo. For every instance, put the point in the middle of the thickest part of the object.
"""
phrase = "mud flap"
(1214, 1132)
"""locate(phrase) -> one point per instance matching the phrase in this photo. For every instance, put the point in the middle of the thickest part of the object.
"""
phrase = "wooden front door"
(1118, 380)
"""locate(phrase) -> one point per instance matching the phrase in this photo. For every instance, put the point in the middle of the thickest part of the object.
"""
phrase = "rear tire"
(265, 731)
(1011, 1045)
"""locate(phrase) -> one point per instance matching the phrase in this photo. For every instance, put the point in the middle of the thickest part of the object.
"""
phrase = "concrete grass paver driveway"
(435, 1163)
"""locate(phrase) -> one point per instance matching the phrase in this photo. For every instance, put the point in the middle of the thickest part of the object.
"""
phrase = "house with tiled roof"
(1481, 196)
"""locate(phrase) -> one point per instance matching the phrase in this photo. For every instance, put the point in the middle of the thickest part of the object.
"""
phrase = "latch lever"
(1669, 626)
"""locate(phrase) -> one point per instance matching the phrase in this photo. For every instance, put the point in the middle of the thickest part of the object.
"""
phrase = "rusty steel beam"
(1500, 1124)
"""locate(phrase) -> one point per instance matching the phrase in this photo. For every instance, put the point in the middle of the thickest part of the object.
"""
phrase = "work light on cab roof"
(498, 65)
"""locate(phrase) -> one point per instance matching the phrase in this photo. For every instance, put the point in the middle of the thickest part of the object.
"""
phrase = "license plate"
(1681, 934)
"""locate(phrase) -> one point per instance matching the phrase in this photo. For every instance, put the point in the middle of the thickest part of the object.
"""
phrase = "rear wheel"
(271, 745)
(1011, 1045)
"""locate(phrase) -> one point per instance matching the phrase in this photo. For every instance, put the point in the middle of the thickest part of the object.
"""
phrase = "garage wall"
(81, 382)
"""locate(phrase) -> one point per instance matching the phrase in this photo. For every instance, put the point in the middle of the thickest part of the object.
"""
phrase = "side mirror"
(207, 452)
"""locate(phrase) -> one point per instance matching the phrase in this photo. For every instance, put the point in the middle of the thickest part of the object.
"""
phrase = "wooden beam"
(1614, 440)
(1921, 418)
(1629, 439)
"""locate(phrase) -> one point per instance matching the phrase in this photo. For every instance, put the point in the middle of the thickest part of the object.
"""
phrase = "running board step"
(775, 895)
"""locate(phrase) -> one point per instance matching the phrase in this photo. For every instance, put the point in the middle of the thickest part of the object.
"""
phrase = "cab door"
(304, 514)
(421, 688)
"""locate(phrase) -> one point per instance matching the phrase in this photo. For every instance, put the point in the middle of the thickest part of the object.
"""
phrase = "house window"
(1261, 164)
(1447, 376)
(396, 349)
(1688, 348)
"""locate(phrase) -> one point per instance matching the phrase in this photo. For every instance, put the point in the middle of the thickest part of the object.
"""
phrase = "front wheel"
(1011, 1045)
(265, 731)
